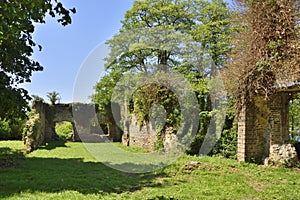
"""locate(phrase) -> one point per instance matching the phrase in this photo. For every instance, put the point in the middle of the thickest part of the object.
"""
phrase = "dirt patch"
(259, 186)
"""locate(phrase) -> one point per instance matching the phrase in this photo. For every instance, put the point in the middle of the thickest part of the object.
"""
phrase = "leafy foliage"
(53, 97)
(16, 47)
(11, 129)
(266, 51)
(5, 130)
(294, 117)
(187, 37)
(63, 129)
(215, 32)
(104, 89)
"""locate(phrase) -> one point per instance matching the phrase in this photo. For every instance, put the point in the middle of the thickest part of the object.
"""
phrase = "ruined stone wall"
(143, 136)
(263, 131)
(281, 151)
(41, 127)
(249, 136)
(254, 131)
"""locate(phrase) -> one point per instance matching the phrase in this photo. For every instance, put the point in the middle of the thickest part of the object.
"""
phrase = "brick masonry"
(263, 131)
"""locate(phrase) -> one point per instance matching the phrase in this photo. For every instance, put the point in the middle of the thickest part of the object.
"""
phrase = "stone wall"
(263, 131)
(41, 127)
(143, 136)
(252, 134)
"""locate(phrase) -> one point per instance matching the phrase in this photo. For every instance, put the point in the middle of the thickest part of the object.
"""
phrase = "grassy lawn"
(67, 171)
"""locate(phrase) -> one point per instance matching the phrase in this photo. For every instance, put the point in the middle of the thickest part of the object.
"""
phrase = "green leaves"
(17, 20)
(53, 97)
(189, 37)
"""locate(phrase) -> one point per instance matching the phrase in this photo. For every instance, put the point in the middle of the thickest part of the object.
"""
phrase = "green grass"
(62, 170)
(130, 148)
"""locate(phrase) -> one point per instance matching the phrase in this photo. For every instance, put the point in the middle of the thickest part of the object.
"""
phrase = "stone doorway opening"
(294, 121)
(263, 131)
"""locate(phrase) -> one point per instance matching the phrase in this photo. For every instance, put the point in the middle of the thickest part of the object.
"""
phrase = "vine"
(267, 51)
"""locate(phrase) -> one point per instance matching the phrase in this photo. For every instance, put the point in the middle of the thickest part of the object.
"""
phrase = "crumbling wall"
(41, 125)
(146, 137)
(263, 131)
(33, 132)
(143, 136)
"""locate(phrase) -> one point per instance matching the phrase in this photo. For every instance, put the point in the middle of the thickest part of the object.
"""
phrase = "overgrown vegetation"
(11, 129)
(190, 38)
(31, 132)
(294, 115)
(266, 51)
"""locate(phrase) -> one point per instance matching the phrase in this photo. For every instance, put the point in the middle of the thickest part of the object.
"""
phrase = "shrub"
(196, 145)
(63, 129)
(11, 129)
(5, 130)
(227, 144)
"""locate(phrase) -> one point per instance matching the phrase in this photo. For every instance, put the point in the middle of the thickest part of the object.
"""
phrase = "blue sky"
(66, 49)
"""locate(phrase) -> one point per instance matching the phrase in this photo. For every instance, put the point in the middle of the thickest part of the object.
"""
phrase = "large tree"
(190, 37)
(17, 24)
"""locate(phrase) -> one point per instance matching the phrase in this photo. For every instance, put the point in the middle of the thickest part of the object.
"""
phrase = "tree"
(104, 89)
(267, 49)
(12, 129)
(17, 24)
(215, 32)
(172, 35)
(161, 21)
(53, 97)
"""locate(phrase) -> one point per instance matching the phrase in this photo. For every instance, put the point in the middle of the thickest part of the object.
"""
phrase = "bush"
(227, 144)
(5, 130)
(196, 145)
(64, 129)
(11, 129)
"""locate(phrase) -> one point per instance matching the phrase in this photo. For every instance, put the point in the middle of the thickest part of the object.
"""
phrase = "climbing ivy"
(31, 131)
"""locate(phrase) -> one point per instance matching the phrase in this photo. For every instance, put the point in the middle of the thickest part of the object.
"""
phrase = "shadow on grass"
(53, 145)
(51, 175)
(137, 168)
(9, 157)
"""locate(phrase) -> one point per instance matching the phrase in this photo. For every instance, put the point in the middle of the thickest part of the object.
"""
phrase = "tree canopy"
(158, 37)
(17, 24)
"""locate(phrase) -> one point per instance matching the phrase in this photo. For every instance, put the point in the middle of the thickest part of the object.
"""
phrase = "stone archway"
(59, 113)
(41, 128)
(263, 130)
